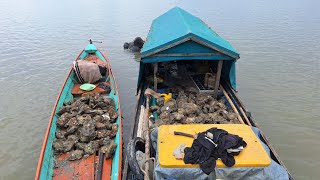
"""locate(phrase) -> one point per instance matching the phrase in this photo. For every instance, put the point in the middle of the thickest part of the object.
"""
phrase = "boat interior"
(85, 168)
(95, 166)
(102, 86)
(200, 75)
(194, 71)
(200, 78)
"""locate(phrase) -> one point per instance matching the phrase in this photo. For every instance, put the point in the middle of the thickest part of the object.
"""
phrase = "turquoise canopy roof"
(176, 27)
(178, 35)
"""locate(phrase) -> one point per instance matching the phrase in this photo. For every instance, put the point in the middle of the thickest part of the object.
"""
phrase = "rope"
(154, 166)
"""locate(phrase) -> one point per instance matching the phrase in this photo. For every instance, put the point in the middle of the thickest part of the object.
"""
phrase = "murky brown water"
(277, 74)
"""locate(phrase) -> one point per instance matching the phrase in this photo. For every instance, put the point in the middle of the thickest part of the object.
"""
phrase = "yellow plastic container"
(252, 156)
(166, 96)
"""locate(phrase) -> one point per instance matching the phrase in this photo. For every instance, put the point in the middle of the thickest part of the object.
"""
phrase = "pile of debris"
(85, 125)
(193, 108)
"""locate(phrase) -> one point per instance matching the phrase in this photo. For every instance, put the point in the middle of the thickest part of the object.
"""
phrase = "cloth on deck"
(87, 72)
(211, 145)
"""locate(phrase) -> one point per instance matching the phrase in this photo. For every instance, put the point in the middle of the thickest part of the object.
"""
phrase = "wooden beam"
(155, 80)
(218, 75)
(188, 54)
(232, 105)
(245, 116)
(147, 139)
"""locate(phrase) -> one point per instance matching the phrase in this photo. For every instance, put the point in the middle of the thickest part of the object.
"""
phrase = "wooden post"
(147, 139)
(218, 75)
(155, 80)
(245, 116)
(232, 105)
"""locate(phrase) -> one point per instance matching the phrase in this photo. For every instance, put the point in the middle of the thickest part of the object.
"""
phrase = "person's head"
(138, 42)
(126, 45)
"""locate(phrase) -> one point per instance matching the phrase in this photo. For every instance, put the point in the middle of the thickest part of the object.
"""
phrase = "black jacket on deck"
(205, 150)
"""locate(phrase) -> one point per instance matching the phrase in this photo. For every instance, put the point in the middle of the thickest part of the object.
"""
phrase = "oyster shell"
(109, 149)
(102, 133)
(114, 130)
(63, 120)
(160, 101)
(91, 147)
(170, 106)
(85, 124)
(100, 125)
(75, 155)
(60, 145)
(88, 129)
(60, 134)
(191, 108)
(71, 130)
(84, 109)
(176, 116)
(80, 145)
(63, 110)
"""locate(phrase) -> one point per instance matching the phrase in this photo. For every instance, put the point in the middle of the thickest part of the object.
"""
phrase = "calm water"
(278, 73)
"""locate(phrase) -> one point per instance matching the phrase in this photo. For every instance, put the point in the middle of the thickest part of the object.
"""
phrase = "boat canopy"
(178, 35)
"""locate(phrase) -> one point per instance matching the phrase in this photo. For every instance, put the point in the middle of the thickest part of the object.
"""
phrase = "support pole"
(148, 93)
(232, 105)
(147, 138)
(218, 75)
(245, 116)
(155, 80)
(241, 109)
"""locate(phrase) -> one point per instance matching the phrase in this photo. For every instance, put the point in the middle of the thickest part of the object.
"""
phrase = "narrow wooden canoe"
(85, 168)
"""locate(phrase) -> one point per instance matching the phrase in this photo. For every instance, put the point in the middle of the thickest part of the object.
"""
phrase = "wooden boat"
(194, 54)
(92, 166)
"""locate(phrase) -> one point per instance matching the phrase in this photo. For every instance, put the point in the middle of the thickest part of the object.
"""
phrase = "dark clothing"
(103, 70)
(206, 149)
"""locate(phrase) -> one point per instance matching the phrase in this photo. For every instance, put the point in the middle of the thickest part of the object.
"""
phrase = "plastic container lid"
(87, 87)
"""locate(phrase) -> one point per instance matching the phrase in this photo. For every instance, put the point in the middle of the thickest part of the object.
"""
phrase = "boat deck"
(56, 165)
(85, 168)
(81, 169)
(252, 156)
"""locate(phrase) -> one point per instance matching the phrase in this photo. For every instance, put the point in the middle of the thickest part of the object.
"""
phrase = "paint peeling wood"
(79, 169)
(218, 75)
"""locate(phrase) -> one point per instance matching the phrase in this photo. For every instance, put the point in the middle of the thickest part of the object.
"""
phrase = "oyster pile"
(85, 125)
(193, 108)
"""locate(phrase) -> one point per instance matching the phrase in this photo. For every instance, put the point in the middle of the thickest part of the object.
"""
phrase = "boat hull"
(237, 102)
(112, 169)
